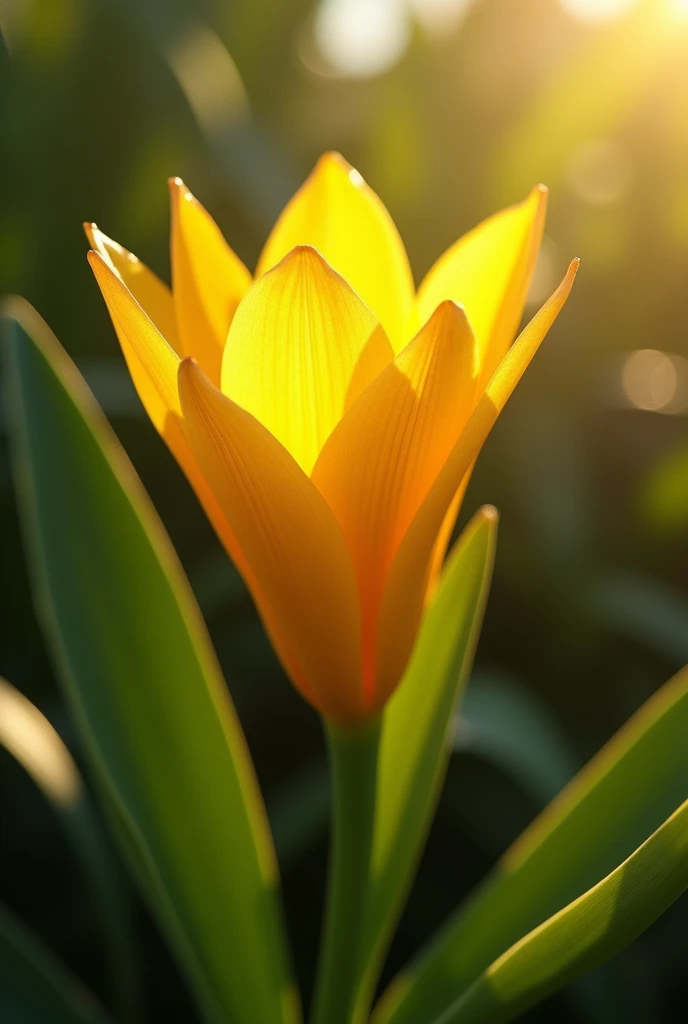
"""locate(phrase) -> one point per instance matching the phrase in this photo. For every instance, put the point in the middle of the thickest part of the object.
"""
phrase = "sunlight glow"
(596, 12)
(599, 172)
(679, 8)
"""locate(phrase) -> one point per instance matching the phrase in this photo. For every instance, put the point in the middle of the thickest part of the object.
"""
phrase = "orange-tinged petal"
(208, 280)
(340, 216)
(406, 583)
(291, 542)
(151, 360)
(488, 271)
(383, 457)
(444, 536)
(301, 347)
(149, 291)
(154, 367)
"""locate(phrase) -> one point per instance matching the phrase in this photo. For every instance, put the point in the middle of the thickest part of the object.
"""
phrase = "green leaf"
(30, 738)
(585, 934)
(34, 988)
(415, 745)
(611, 806)
(145, 688)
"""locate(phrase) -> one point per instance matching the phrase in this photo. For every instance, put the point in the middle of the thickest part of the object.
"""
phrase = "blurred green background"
(450, 109)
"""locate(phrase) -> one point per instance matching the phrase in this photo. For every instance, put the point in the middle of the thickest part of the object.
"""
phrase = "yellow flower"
(329, 443)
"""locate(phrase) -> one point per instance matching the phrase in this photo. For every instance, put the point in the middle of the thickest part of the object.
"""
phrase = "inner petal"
(340, 216)
(301, 347)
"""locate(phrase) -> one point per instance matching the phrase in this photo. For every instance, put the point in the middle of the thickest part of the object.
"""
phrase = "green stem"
(353, 761)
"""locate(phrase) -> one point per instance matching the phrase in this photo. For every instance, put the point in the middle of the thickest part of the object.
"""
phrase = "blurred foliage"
(101, 101)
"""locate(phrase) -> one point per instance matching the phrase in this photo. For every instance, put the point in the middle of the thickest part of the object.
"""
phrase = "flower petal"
(380, 461)
(406, 583)
(146, 287)
(301, 347)
(291, 542)
(151, 360)
(340, 216)
(154, 366)
(488, 271)
(208, 280)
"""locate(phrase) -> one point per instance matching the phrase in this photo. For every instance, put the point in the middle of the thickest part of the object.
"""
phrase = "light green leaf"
(585, 934)
(611, 806)
(145, 687)
(34, 988)
(30, 738)
(415, 743)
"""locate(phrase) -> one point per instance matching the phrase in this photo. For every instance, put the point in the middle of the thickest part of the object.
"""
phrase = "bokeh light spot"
(361, 38)
(596, 12)
(600, 172)
(650, 380)
(439, 16)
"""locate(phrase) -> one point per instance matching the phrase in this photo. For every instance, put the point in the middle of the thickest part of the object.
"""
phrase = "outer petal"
(488, 271)
(290, 540)
(146, 287)
(381, 460)
(208, 280)
(336, 213)
(444, 536)
(301, 347)
(407, 580)
(151, 360)
(154, 367)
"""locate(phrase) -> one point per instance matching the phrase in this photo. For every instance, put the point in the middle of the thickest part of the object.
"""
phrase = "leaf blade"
(414, 748)
(584, 934)
(143, 682)
(611, 806)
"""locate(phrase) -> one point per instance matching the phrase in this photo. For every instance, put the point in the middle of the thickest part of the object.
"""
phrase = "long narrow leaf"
(611, 806)
(34, 987)
(585, 934)
(145, 687)
(415, 744)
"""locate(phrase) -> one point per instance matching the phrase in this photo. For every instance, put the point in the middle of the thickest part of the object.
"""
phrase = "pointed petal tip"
(332, 160)
(188, 368)
(302, 255)
(489, 514)
(333, 157)
(178, 190)
(571, 272)
(450, 310)
(539, 197)
(95, 259)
